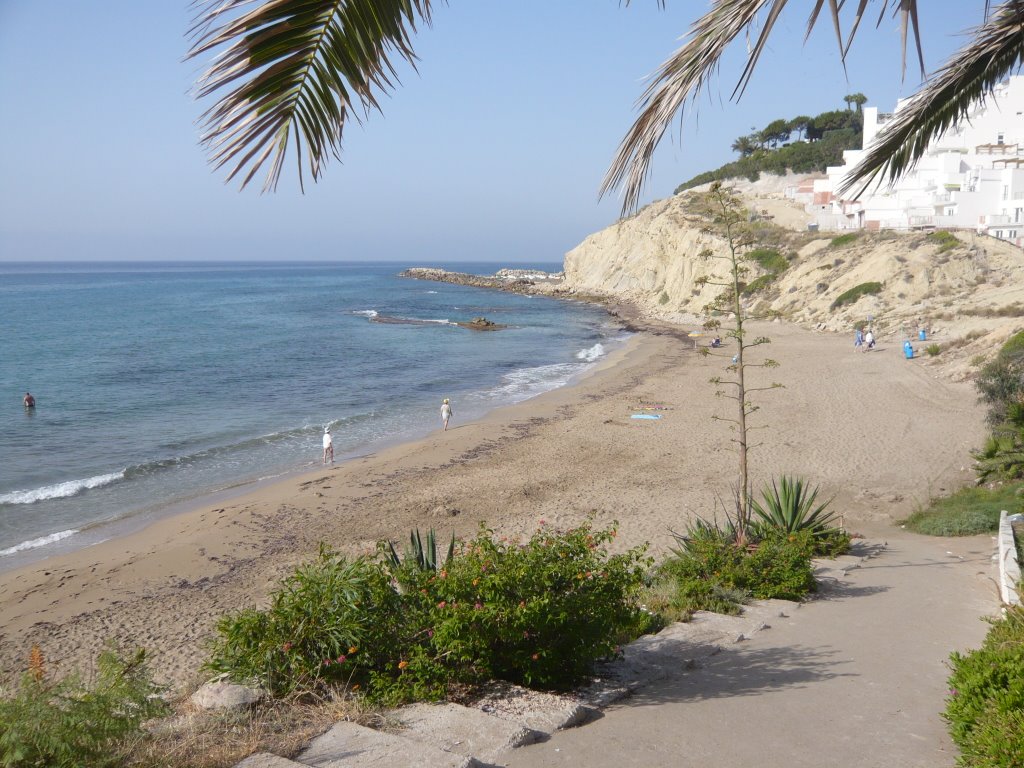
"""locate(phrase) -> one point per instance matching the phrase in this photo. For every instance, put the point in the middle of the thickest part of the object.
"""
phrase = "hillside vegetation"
(819, 143)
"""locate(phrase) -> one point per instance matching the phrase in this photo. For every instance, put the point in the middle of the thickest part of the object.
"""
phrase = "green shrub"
(850, 296)
(757, 284)
(967, 512)
(769, 259)
(710, 569)
(1002, 457)
(663, 298)
(932, 350)
(67, 724)
(946, 241)
(323, 617)
(843, 240)
(985, 707)
(540, 613)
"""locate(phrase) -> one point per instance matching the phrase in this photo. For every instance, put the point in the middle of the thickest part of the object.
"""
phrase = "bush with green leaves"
(946, 241)
(70, 724)
(850, 296)
(321, 619)
(539, 613)
(710, 567)
(843, 240)
(985, 707)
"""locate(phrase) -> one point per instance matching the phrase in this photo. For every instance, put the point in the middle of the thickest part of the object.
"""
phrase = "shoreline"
(132, 519)
(877, 433)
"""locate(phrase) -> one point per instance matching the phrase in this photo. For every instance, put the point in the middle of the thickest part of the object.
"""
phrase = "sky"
(493, 150)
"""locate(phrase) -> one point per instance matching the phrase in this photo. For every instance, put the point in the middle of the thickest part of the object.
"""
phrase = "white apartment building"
(970, 178)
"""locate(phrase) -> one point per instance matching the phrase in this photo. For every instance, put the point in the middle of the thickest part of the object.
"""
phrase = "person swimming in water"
(30, 402)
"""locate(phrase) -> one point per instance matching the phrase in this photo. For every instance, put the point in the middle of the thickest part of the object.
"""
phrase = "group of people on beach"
(328, 458)
(866, 340)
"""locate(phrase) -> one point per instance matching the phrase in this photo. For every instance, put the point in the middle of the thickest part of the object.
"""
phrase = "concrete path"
(856, 679)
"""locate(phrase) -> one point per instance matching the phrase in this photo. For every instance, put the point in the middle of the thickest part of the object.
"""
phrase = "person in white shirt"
(328, 446)
(869, 341)
(446, 413)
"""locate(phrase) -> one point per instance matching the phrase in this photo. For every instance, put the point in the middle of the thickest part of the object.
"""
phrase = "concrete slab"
(539, 711)
(463, 730)
(267, 760)
(348, 745)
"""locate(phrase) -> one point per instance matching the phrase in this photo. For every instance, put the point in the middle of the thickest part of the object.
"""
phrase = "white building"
(972, 177)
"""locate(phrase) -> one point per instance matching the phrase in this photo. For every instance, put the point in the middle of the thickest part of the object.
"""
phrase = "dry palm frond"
(686, 74)
(996, 49)
(292, 70)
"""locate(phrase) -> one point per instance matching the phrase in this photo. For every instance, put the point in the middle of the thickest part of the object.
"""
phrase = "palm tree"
(859, 99)
(745, 145)
(294, 72)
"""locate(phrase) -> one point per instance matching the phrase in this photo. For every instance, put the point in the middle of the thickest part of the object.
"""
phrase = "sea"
(162, 384)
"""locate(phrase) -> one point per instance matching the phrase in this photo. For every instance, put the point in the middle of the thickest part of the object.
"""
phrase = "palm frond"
(996, 48)
(290, 72)
(687, 72)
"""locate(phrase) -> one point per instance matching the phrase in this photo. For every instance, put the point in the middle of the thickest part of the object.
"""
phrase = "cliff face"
(969, 289)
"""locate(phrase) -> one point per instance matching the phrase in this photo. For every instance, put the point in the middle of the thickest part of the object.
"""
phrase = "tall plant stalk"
(725, 217)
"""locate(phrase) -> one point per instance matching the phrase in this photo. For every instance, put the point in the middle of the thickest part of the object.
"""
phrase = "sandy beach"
(878, 432)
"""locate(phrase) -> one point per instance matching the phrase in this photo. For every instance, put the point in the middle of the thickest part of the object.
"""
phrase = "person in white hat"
(328, 446)
(446, 412)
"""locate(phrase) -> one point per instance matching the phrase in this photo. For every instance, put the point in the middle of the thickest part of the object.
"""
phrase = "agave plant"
(790, 505)
(421, 552)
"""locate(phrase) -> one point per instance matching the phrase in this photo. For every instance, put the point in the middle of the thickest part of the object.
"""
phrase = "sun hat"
(327, 430)
(446, 400)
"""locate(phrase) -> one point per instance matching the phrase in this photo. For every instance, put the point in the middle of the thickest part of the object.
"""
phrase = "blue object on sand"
(646, 416)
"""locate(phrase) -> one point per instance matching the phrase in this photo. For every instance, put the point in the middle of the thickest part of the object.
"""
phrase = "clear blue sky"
(494, 151)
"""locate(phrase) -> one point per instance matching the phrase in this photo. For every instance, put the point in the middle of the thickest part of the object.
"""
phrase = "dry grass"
(198, 739)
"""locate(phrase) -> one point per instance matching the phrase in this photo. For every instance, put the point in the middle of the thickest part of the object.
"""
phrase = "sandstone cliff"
(968, 291)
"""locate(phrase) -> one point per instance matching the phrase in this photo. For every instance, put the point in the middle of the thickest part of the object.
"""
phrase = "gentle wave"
(60, 490)
(42, 541)
(590, 354)
(528, 382)
(370, 313)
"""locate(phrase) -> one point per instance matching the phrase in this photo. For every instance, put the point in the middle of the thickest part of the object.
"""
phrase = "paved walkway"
(855, 679)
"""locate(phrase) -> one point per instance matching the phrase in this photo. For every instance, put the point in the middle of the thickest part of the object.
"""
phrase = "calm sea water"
(157, 383)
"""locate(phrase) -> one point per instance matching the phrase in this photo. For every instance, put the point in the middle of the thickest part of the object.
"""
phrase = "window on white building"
(1006, 191)
(999, 139)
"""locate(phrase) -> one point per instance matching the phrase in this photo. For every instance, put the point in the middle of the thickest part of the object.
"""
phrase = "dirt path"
(854, 679)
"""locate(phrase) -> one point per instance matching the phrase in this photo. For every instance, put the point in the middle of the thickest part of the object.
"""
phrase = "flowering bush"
(539, 613)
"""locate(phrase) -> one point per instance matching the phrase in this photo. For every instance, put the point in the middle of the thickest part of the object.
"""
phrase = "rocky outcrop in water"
(531, 281)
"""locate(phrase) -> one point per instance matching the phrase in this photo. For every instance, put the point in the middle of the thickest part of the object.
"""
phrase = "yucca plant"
(422, 553)
(790, 505)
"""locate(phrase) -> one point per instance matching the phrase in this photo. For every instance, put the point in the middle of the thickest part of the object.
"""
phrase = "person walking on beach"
(858, 338)
(328, 446)
(30, 402)
(869, 341)
(446, 412)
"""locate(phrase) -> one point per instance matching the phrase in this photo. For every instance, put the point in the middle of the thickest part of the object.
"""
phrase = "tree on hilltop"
(745, 145)
(776, 132)
(859, 99)
(293, 73)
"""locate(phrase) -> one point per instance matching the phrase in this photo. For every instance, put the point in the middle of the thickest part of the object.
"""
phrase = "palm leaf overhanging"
(686, 74)
(293, 70)
(995, 50)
